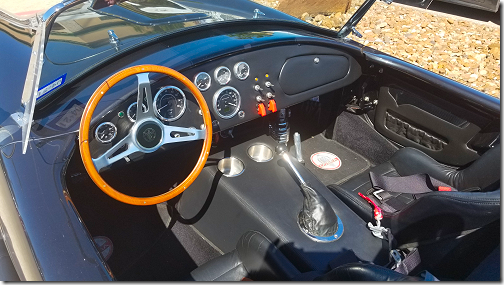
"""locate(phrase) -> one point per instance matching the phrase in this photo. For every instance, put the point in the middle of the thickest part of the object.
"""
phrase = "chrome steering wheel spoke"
(174, 134)
(114, 154)
(144, 95)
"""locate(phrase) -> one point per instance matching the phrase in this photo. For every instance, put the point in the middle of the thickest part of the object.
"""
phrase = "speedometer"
(226, 102)
(169, 103)
(222, 75)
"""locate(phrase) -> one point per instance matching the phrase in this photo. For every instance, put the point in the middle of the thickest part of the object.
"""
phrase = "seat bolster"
(441, 214)
(263, 260)
(364, 272)
(410, 161)
(482, 173)
(227, 267)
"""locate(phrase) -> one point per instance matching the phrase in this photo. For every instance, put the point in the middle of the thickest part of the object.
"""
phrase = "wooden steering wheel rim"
(86, 121)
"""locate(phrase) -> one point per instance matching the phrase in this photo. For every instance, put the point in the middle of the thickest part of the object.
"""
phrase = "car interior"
(312, 144)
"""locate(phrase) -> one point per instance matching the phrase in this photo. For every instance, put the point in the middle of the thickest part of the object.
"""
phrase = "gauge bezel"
(216, 96)
(235, 70)
(129, 108)
(217, 71)
(99, 126)
(154, 105)
(209, 83)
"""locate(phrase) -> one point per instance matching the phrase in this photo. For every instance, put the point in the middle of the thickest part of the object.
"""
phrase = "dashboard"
(237, 88)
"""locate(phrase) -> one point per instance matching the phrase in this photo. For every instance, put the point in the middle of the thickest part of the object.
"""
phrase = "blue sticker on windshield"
(51, 86)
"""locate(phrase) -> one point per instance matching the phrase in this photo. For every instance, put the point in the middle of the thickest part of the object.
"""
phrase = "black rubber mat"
(350, 163)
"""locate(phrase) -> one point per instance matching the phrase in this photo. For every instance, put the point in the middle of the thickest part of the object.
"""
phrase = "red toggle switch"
(272, 106)
(261, 109)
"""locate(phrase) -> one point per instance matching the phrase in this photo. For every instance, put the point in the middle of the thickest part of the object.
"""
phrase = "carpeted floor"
(144, 248)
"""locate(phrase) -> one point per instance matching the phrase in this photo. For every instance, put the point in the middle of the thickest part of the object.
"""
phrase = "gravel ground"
(26, 7)
(461, 49)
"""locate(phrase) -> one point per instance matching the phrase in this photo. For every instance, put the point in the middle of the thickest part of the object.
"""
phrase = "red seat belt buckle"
(444, 188)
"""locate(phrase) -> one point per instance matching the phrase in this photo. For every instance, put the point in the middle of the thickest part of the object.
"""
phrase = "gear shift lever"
(317, 219)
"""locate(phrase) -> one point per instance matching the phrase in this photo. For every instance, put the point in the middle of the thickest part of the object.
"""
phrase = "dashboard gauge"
(132, 110)
(105, 132)
(203, 81)
(169, 103)
(222, 75)
(241, 70)
(226, 102)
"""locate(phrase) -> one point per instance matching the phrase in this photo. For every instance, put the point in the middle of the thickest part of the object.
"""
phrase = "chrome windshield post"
(30, 90)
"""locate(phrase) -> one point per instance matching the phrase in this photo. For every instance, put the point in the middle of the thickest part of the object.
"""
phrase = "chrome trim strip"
(32, 80)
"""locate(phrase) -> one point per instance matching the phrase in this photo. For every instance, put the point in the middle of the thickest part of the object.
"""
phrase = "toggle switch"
(261, 109)
(272, 106)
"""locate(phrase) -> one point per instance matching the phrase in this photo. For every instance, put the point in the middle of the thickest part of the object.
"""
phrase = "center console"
(264, 195)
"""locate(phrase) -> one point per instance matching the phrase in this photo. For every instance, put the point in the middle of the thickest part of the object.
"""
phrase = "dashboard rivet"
(241, 114)
(200, 112)
(316, 60)
(202, 126)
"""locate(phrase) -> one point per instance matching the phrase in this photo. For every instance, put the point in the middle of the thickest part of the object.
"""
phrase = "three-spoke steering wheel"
(146, 135)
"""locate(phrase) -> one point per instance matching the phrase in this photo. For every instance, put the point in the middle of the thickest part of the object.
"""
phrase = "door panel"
(411, 121)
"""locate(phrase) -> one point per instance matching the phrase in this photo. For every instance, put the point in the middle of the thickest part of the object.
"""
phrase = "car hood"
(86, 30)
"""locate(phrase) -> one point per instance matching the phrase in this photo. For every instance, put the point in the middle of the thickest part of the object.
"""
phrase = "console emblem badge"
(149, 134)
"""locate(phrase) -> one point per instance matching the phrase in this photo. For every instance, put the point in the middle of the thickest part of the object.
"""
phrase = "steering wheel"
(146, 135)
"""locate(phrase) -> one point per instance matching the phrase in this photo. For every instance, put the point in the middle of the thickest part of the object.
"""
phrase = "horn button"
(149, 135)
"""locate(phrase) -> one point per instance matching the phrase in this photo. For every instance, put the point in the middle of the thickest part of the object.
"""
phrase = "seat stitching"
(351, 197)
(228, 271)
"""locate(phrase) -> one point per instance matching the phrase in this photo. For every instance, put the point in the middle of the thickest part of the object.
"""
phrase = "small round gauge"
(226, 102)
(169, 103)
(241, 70)
(132, 110)
(222, 75)
(203, 81)
(105, 132)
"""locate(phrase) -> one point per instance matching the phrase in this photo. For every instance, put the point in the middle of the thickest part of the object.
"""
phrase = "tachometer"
(222, 75)
(105, 132)
(241, 70)
(169, 103)
(226, 102)
(203, 81)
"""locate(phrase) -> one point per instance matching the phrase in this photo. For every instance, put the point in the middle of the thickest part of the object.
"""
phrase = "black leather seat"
(256, 258)
(435, 214)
